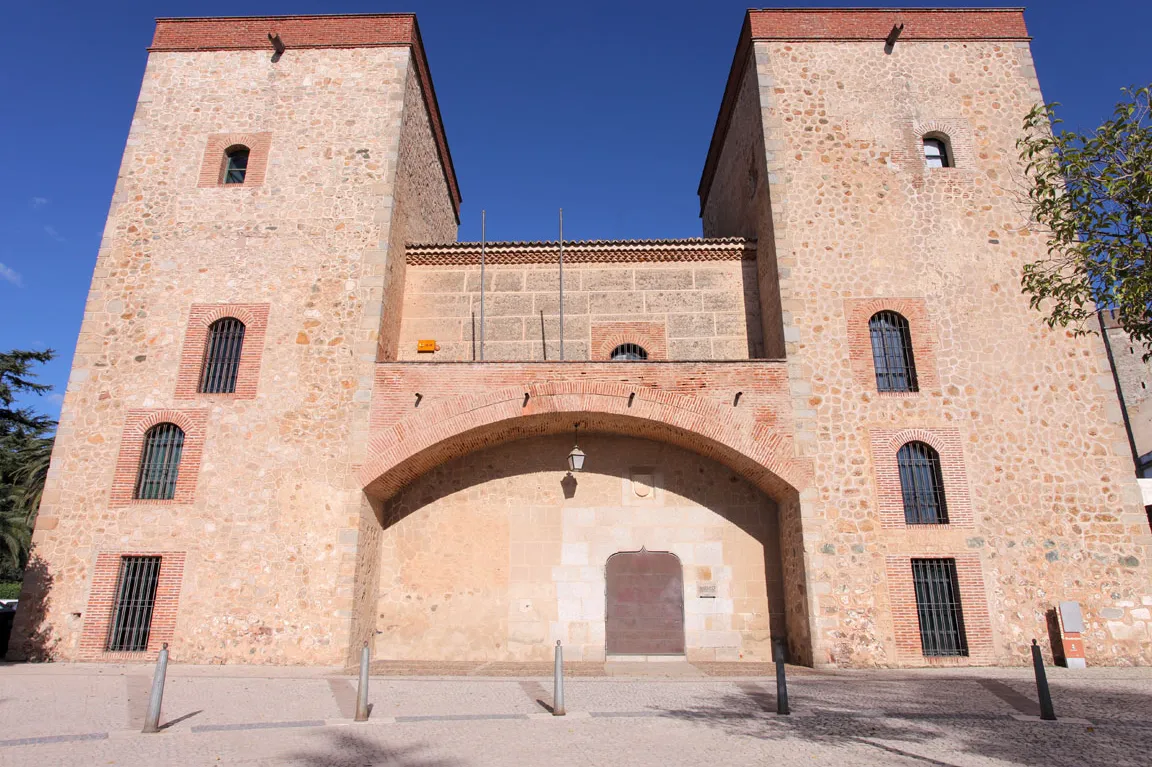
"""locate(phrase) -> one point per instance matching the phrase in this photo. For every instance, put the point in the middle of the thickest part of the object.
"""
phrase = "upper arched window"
(625, 352)
(235, 164)
(222, 356)
(159, 463)
(892, 352)
(936, 151)
(922, 485)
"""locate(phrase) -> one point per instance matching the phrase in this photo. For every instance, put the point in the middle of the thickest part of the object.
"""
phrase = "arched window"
(922, 485)
(936, 152)
(629, 352)
(892, 352)
(235, 164)
(159, 463)
(222, 356)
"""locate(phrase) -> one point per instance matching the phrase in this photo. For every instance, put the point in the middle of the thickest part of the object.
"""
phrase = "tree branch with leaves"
(1091, 194)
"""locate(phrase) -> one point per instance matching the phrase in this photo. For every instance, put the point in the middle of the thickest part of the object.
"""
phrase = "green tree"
(25, 445)
(1091, 194)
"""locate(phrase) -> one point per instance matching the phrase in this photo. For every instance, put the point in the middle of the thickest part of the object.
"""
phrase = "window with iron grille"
(159, 463)
(892, 352)
(922, 485)
(936, 153)
(938, 607)
(135, 599)
(222, 356)
(626, 352)
(235, 164)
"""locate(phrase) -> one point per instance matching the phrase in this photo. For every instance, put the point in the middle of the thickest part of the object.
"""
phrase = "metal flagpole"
(483, 245)
(561, 283)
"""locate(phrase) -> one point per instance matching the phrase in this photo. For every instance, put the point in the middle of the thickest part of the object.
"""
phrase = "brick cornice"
(370, 30)
(583, 251)
(812, 25)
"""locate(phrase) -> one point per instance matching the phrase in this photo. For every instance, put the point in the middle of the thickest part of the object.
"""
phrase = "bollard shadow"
(545, 706)
(347, 749)
(940, 721)
(180, 719)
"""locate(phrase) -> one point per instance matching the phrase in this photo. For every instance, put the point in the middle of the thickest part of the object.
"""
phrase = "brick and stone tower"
(826, 151)
(303, 418)
(346, 160)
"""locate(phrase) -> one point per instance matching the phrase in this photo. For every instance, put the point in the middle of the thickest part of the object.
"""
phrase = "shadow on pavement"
(930, 721)
(348, 749)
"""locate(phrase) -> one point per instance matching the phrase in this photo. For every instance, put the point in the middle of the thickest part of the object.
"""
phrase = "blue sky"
(604, 108)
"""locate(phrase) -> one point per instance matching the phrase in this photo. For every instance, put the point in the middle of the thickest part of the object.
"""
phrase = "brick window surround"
(102, 601)
(915, 310)
(606, 336)
(886, 443)
(212, 166)
(200, 318)
(136, 425)
(973, 606)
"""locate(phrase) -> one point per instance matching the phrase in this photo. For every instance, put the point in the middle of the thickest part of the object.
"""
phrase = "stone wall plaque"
(706, 589)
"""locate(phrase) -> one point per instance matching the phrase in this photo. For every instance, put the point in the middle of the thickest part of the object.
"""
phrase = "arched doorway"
(644, 612)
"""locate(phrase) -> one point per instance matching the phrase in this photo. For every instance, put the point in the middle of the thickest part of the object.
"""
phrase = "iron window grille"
(938, 607)
(922, 485)
(160, 463)
(892, 352)
(629, 352)
(235, 165)
(222, 356)
(135, 600)
(936, 153)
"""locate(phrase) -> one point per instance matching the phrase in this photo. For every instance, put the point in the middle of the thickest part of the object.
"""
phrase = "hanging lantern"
(576, 457)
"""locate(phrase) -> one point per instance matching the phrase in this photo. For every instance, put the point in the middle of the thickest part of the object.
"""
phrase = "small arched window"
(222, 356)
(936, 152)
(922, 485)
(892, 352)
(629, 352)
(159, 463)
(235, 164)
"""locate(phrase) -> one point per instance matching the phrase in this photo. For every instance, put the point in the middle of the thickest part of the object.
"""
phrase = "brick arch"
(472, 422)
(652, 336)
(904, 436)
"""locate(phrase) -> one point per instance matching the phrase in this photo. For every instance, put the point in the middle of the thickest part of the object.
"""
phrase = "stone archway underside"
(408, 449)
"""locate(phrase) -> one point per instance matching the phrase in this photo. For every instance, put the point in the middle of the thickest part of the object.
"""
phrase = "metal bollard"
(558, 682)
(362, 692)
(1042, 692)
(152, 722)
(781, 680)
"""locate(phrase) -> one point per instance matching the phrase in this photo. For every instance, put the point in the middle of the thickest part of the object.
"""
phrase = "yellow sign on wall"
(426, 346)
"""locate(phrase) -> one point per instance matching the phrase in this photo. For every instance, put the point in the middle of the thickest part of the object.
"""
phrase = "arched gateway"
(488, 549)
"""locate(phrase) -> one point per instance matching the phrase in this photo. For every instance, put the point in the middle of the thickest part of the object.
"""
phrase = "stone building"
(291, 429)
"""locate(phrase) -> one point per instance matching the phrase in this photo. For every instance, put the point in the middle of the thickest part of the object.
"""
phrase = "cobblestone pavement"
(92, 714)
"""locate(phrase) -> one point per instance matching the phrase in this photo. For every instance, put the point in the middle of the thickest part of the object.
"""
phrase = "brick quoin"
(973, 606)
(240, 33)
(915, 310)
(136, 425)
(886, 443)
(102, 602)
(200, 318)
(464, 407)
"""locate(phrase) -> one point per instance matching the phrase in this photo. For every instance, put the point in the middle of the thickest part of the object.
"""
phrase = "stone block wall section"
(845, 212)
(699, 296)
(102, 602)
